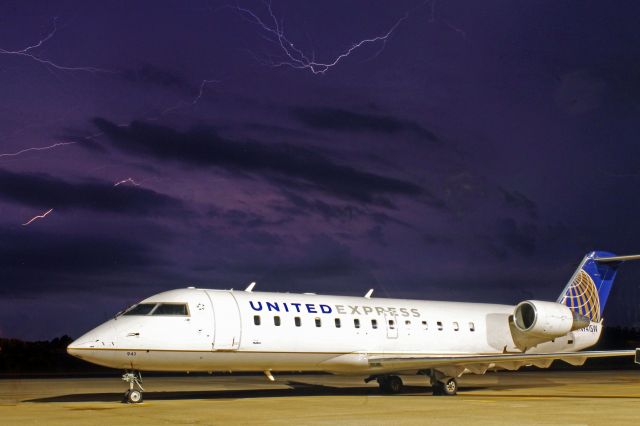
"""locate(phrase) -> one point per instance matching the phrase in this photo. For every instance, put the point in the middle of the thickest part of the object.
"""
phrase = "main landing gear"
(133, 396)
(443, 385)
(448, 388)
(389, 384)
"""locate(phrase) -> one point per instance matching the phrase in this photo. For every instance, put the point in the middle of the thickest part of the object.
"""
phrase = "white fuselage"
(338, 334)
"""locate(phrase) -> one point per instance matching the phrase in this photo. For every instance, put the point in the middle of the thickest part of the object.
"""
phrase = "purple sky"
(476, 153)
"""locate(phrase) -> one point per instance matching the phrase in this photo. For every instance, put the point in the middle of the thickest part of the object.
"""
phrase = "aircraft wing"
(480, 363)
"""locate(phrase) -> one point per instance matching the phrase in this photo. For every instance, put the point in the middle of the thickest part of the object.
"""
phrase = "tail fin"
(588, 290)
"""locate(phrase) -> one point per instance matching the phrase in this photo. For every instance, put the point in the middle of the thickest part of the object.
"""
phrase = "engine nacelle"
(547, 319)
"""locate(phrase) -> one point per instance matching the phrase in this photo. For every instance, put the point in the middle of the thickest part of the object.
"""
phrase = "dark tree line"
(18, 357)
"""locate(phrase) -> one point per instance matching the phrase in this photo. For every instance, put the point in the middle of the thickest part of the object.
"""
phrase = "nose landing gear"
(133, 396)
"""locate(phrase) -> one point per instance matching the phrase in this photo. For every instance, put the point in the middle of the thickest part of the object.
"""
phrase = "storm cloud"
(45, 191)
(348, 121)
(295, 166)
(59, 262)
(149, 74)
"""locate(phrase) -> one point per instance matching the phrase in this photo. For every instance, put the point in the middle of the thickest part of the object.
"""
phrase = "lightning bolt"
(27, 53)
(294, 57)
(130, 180)
(41, 148)
(203, 86)
(460, 31)
(433, 19)
(40, 216)
(182, 104)
(55, 145)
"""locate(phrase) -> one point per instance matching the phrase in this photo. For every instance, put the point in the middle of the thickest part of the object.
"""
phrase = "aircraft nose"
(100, 338)
(81, 344)
(87, 341)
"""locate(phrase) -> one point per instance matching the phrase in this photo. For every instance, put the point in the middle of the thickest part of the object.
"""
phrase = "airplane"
(203, 330)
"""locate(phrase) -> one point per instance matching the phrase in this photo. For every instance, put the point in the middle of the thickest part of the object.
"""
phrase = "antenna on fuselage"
(250, 287)
(369, 293)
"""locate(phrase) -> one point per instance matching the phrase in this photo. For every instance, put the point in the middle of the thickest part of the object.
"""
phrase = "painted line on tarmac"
(559, 396)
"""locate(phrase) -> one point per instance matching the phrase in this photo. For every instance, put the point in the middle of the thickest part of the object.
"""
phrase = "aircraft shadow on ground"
(296, 389)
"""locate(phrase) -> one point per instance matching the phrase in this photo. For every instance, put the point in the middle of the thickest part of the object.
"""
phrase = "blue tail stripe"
(603, 275)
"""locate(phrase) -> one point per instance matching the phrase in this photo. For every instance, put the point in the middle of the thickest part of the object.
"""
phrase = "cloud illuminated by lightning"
(27, 53)
(42, 148)
(294, 57)
(40, 216)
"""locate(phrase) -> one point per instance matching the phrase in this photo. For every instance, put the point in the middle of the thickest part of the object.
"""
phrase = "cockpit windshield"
(171, 309)
(176, 309)
(140, 309)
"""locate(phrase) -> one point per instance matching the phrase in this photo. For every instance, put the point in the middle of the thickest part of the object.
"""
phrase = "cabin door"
(391, 322)
(226, 321)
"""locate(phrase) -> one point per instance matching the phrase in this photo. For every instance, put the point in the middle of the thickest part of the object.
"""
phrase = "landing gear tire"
(390, 384)
(447, 388)
(134, 379)
(133, 397)
(450, 387)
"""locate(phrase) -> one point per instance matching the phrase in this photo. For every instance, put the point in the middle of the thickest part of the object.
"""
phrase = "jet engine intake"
(547, 319)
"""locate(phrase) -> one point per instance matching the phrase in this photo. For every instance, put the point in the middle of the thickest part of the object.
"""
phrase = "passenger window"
(407, 322)
(356, 323)
(425, 325)
(374, 323)
(171, 309)
(456, 327)
(338, 323)
(297, 321)
(140, 309)
(392, 324)
(276, 321)
(318, 322)
(256, 319)
(440, 325)
(472, 327)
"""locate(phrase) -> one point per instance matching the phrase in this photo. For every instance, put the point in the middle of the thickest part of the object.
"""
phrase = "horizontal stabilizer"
(617, 258)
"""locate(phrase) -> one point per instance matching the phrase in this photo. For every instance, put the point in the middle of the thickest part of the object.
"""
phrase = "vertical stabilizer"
(589, 287)
(588, 290)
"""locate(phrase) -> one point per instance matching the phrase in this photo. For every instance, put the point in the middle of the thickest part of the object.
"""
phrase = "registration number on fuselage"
(592, 328)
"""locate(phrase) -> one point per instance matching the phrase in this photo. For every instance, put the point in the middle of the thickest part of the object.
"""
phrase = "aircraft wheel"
(394, 384)
(133, 397)
(383, 384)
(390, 384)
(450, 387)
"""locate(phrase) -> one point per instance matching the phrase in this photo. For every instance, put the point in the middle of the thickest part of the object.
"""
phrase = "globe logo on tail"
(582, 296)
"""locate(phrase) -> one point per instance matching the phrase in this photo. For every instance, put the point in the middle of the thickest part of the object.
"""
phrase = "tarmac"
(507, 398)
